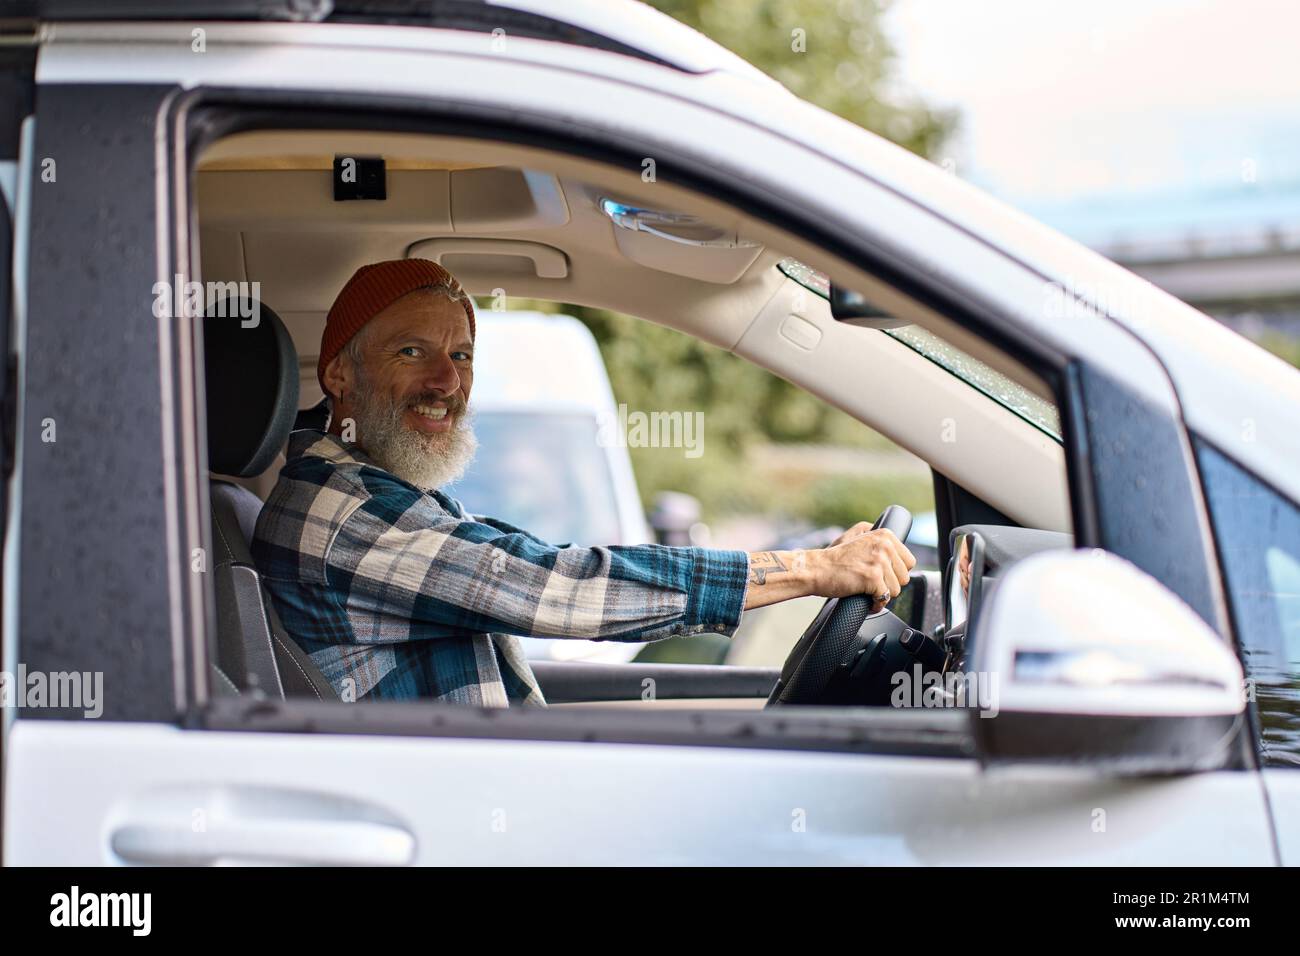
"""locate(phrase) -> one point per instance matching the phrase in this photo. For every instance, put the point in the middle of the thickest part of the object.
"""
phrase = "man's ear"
(338, 377)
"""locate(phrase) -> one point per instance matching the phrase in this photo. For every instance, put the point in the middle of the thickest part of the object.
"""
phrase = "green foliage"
(843, 499)
(1283, 346)
(846, 64)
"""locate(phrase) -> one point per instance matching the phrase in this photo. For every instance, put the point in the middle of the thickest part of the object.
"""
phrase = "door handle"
(205, 826)
(305, 843)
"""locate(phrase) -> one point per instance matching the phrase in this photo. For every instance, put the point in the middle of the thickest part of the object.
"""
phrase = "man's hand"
(862, 527)
(860, 561)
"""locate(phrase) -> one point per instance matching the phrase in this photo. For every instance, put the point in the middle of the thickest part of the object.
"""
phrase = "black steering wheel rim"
(825, 645)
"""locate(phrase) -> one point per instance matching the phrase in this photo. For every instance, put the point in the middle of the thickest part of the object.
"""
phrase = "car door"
(113, 517)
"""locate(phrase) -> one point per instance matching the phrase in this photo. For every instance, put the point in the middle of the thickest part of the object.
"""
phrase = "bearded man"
(397, 593)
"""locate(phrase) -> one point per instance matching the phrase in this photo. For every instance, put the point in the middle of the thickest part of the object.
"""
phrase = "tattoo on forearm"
(763, 564)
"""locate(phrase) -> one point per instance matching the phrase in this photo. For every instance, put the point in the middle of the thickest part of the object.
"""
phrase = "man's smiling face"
(405, 381)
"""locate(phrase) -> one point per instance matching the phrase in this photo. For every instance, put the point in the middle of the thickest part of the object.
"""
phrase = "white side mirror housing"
(1096, 660)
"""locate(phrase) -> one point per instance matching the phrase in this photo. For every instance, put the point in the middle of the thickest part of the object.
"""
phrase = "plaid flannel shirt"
(398, 593)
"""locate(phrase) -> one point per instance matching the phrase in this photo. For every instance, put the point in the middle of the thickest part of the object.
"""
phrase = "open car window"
(592, 413)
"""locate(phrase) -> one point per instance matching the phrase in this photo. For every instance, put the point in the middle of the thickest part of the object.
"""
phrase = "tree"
(834, 54)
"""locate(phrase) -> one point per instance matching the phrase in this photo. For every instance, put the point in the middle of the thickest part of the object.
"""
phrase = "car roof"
(628, 27)
(642, 27)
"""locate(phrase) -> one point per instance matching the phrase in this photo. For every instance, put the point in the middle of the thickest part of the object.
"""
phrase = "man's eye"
(409, 351)
(462, 356)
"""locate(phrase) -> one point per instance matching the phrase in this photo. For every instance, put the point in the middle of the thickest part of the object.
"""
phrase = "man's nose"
(440, 374)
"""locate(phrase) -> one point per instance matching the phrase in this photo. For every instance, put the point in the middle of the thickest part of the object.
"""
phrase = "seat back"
(252, 390)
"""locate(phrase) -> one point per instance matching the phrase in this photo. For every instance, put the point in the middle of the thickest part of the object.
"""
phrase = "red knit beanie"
(372, 289)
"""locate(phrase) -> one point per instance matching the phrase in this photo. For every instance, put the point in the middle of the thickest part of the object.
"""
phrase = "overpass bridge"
(1233, 253)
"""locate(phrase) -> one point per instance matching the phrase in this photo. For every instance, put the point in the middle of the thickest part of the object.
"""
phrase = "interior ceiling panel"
(284, 229)
(463, 200)
(305, 199)
(302, 271)
(223, 254)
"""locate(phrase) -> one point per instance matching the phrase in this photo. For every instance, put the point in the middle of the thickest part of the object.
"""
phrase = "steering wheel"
(831, 664)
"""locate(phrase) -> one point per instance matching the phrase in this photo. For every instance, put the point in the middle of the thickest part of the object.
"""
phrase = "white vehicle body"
(282, 796)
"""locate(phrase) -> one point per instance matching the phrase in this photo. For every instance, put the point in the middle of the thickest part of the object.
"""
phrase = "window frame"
(204, 114)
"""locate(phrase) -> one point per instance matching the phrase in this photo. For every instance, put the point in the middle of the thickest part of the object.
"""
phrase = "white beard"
(426, 461)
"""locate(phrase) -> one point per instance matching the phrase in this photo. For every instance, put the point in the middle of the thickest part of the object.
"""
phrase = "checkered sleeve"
(395, 558)
(506, 528)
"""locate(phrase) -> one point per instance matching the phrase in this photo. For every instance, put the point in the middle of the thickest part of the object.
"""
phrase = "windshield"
(544, 473)
(1010, 394)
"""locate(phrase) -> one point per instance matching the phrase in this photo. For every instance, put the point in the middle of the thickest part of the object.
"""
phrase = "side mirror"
(1096, 662)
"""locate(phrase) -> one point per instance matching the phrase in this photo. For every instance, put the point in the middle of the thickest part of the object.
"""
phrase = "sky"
(1065, 100)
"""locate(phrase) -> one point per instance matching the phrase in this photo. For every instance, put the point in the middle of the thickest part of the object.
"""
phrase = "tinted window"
(544, 473)
(1259, 546)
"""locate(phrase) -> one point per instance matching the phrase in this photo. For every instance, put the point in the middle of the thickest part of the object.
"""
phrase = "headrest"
(252, 383)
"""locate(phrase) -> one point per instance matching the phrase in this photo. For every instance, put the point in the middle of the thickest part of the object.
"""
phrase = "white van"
(541, 398)
(1120, 735)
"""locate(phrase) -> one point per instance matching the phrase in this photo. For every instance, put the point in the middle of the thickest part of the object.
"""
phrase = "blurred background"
(1163, 133)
